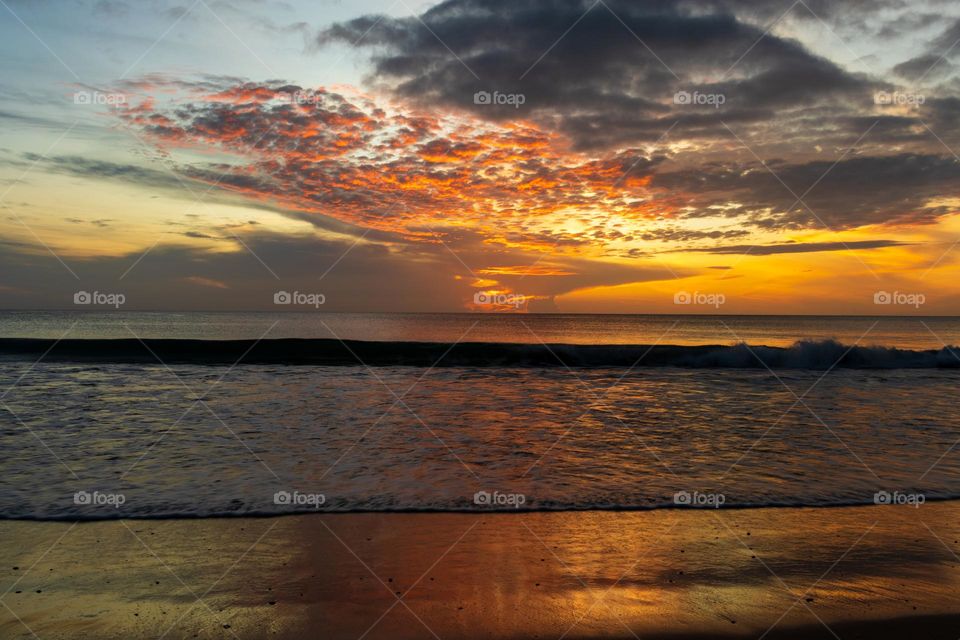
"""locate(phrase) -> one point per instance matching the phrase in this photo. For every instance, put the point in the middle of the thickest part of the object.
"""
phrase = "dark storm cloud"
(840, 12)
(845, 194)
(935, 62)
(943, 115)
(599, 83)
(926, 65)
(177, 277)
(795, 247)
(360, 276)
(946, 42)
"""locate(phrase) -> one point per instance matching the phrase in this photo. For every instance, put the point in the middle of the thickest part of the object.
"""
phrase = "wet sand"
(862, 572)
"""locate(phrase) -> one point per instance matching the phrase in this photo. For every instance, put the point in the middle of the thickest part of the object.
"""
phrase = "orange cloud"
(344, 156)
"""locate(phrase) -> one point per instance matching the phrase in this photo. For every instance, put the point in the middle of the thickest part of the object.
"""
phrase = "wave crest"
(804, 354)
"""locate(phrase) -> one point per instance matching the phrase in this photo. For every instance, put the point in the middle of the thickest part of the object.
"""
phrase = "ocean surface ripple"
(96, 440)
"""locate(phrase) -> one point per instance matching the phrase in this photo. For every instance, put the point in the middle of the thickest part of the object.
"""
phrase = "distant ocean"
(890, 331)
(615, 412)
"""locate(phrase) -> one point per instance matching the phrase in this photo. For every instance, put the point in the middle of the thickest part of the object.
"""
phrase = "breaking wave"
(803, 354)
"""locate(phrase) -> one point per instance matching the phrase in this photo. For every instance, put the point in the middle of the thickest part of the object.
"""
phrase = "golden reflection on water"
(602, 573)
(583, 574)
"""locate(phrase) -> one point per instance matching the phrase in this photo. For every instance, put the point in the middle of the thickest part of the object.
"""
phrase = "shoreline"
(79, 311)
(519, 511)
(675, 574)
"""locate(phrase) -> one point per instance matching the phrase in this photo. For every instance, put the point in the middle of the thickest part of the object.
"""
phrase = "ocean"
(504, 412)
(891, 331)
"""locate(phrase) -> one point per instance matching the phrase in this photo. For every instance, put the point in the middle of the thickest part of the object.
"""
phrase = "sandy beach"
(793, 573)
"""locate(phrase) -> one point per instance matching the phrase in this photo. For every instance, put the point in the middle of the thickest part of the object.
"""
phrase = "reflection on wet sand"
(575, 574)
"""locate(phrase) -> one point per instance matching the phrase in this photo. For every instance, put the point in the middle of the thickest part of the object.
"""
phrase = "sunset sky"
(791, 157)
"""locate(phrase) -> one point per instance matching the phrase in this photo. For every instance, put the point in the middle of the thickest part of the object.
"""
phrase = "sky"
(594, 156)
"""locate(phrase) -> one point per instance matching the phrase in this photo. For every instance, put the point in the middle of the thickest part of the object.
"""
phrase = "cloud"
(103, 223)
(352, 164)
(946, 42)
(796, 247)
(844, 194)
(354, 276)
(934, 63)
(925, 65)
(320, 153)
(106, 170)
(674, 234)
(604, 73)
